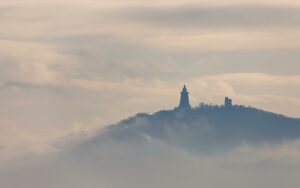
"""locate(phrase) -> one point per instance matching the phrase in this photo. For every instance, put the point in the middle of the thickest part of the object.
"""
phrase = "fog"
(157, 165)
(137, 159)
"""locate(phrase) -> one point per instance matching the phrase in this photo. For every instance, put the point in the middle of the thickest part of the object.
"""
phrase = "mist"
(125, 155)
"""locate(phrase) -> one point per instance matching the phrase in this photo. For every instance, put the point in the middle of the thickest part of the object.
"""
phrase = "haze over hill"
(203, 129)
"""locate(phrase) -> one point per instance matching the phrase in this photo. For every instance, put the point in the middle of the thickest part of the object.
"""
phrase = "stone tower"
(184, 99)
(228, 102)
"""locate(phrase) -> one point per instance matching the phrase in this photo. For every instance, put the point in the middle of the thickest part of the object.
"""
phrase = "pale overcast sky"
(77, 65)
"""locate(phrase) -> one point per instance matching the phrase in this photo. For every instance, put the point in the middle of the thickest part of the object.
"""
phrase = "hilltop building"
(185, 103)
(228, 102)
(184, 99)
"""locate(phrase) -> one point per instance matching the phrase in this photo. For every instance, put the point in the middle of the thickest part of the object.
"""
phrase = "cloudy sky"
(73, 66)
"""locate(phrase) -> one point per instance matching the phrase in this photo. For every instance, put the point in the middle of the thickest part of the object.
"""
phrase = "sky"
(75, 66)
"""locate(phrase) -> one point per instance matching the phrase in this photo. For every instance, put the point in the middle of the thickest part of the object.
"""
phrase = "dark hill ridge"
(206, 128)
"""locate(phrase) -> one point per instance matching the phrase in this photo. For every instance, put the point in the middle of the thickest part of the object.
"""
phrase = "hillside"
(206, 128)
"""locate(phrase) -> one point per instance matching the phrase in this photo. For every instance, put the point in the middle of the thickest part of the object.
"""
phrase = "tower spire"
(184, 99)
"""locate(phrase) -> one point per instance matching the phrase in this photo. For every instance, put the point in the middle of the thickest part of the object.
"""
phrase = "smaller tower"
(228, 102)
(184, 99)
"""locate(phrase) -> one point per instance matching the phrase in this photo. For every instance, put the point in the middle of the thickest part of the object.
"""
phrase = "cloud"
(216, 16)
(169, 27)
(211, 28)
(32, 63)
(255, 89)
(114, 164)
(15, 142)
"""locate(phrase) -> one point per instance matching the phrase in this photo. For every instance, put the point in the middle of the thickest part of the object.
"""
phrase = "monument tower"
(184, 99)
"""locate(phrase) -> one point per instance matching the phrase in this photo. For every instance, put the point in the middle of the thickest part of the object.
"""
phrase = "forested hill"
(205, 128)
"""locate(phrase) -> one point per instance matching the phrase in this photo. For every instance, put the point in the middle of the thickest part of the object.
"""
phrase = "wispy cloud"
(224, 17)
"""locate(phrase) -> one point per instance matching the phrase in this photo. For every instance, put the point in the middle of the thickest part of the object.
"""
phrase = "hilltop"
(205, 128)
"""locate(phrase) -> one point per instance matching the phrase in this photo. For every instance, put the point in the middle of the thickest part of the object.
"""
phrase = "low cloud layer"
(154, 164)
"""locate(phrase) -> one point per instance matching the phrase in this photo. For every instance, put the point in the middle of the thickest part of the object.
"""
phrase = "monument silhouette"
(184, 102)
(228, 103)
(184, 99)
